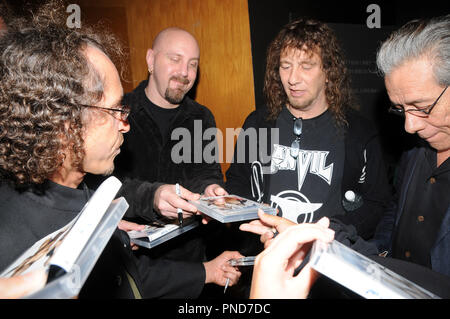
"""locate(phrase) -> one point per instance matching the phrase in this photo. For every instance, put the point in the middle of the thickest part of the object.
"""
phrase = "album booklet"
(362, 275)
(70, 253)
(231, 208)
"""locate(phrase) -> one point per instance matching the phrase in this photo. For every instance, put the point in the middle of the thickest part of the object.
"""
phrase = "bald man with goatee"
(160, 108)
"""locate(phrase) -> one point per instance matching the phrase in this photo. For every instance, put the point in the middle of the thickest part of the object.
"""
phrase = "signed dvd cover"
(231, 208)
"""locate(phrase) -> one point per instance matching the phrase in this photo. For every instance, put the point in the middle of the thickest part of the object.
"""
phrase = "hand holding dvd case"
(72, 251)
(244, 261)
(231, 208)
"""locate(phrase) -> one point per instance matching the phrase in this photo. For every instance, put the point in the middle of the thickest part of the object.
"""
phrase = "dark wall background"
(359, 43)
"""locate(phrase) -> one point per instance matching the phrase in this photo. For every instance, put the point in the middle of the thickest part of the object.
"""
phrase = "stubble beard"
(109, 171)
(299, 105)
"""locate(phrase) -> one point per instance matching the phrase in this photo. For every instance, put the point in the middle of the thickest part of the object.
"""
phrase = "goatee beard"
(174, 96)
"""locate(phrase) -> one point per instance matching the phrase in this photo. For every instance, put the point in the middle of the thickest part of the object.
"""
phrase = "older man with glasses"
(416, 65)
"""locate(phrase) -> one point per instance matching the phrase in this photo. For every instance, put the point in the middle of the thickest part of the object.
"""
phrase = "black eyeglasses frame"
(422, 112)
(124, 110)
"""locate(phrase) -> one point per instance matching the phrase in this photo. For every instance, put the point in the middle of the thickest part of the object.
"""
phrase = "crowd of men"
(66, 124)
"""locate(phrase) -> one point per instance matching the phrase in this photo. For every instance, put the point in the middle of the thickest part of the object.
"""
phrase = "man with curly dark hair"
(61, 117)
(325, 159)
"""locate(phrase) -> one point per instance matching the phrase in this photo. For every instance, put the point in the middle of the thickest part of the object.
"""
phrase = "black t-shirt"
(162, 117)
(309, 187)
(427, 202)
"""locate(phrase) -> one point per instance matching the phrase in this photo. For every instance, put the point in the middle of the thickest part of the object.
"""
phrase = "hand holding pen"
(168, 203)
(235, 262)
(219, 270)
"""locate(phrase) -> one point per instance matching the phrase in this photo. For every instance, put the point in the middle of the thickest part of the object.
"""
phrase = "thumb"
(220, 191)
(127, 226)
(278, 222)
(235, 254)
(324, 221)
(20, 286)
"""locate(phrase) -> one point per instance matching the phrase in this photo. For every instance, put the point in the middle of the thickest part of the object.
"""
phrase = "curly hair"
(316, 37)
(44, 77)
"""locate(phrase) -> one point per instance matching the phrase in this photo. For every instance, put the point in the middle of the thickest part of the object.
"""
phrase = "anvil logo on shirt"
(292, 204)
(312, 161)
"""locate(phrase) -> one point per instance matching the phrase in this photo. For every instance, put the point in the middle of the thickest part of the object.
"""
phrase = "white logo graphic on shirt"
(362, 178)
(314, 161)
(294, 205)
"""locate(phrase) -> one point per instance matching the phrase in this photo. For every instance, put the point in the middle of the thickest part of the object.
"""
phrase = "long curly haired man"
(45, 79)
(320, 147)
(310, 36)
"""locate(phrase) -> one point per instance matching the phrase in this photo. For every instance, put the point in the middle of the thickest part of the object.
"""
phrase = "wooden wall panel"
(225, 83)
(114, 18)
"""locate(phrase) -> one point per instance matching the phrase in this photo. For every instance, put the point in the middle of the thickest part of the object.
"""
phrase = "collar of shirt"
(431, 159)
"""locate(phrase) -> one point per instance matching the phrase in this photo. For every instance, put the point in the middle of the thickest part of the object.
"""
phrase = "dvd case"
(160, 232)
(76, 247)
(244, 261)
(362, 275)
(231, 208)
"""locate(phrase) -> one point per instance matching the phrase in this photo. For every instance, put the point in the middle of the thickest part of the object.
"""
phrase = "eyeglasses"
(295, 146)
(422, 112)
(124, 110)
